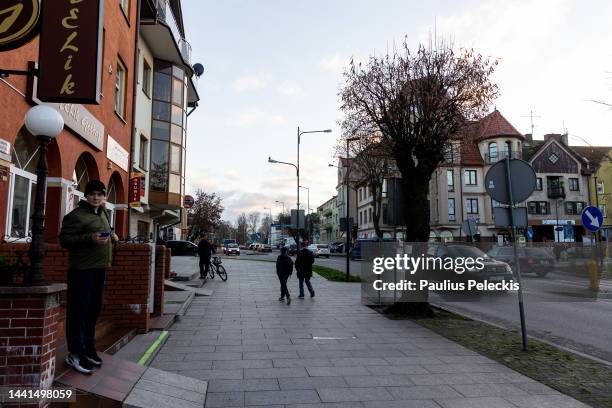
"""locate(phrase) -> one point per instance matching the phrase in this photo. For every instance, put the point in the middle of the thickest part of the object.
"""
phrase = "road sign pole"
(516, 258)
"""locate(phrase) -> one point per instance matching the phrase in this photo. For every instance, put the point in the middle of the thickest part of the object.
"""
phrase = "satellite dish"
(198, 69)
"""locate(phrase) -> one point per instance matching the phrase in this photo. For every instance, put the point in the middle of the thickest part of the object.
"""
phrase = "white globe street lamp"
(45, 123)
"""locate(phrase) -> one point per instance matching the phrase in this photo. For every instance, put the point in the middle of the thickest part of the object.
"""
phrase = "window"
(470, 177)
(450, 180)
(360, 194)
(538, 207)
(360, 218)
(539, 184)
(120, 89)
(507, 149)
(143, 151)
(602, 208)
(125, 7)
(370, 215)
(142, 229)
(471, 205)
(574, 207)
(175, 158)
(574, 184)
(451, 209)
(493, 152)
(147, 73)
(23, 195)
(600, 187)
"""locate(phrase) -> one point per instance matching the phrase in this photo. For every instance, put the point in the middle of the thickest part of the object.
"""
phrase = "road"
(559, 308)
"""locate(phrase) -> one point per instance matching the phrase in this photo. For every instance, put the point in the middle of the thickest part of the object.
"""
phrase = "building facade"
(94, 144)
(165, 94)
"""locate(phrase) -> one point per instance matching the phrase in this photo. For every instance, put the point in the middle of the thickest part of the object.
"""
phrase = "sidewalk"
(329, 351)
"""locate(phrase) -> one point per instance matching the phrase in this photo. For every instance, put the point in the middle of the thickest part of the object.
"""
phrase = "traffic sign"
(522, 176)
(530, 233)
(592, 218)
(188, 202)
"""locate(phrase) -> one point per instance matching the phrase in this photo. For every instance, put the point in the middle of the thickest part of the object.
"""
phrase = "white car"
(319, 250)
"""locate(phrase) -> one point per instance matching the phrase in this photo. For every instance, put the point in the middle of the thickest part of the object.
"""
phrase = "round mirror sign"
(18, 22)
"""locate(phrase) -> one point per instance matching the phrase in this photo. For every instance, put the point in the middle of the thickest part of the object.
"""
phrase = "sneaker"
(79, 363)
(288, 300)
(94, 358)
(280, 299)
(312, 295)
(301, 297)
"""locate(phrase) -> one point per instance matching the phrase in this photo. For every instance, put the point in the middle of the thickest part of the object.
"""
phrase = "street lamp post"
(45, 123)
(307, 207)
(280, 221)
(269, 225)
(348, 208)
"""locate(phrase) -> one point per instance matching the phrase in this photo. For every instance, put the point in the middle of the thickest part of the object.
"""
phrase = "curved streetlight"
(46, 124)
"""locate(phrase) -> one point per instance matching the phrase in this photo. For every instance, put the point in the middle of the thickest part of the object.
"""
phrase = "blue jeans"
(308, 285)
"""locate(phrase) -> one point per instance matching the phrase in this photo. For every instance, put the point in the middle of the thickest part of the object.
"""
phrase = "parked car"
(319, 250)
(292, 249)
(494, 270)
(252, 246)
(336, 247)
(231, 249)
(355, 251)
(265, 248)
(182, 248)
(532, 260)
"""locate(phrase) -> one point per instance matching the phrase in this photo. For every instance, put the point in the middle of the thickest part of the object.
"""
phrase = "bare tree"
(242, 228)
(416, 102)
(205, 215)
(253, 221)
(371, 164)
(265, 228)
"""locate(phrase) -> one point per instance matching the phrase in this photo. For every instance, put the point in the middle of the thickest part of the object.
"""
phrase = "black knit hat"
(95, 185)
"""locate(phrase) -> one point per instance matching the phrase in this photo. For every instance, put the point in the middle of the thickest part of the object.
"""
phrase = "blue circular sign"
(592, 218)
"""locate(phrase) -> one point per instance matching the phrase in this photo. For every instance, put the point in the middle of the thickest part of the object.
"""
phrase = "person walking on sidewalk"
(303, 266)
(88, 237)
(205, 251)
(284, 269)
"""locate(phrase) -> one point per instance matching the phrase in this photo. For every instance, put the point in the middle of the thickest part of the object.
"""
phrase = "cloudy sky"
(274, 65)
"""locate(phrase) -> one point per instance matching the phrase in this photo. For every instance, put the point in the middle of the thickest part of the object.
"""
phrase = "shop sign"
(5, 150)
(70, 51)
(559, 222)
(136, 190)
(18, 23)
(70, 197)
(117, 154)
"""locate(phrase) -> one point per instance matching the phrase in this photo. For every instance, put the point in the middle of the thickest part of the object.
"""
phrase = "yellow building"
(600, 182)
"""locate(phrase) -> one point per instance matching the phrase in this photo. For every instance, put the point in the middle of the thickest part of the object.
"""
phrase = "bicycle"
(215, 266)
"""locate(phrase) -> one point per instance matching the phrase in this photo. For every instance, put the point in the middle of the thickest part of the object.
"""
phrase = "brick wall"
(28, 335)
(127, 281)
(162, 270)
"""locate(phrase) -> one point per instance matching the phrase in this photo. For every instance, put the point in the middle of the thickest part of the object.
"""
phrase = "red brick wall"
(127, 281)
(28, 337)
(162, 269)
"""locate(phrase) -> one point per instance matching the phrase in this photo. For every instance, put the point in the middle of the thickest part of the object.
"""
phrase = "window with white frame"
(471, 205)
(450, 180)
(120, 89)
(22, 186)
(600, 187)
(470, 178)
(574, 184)
(451, 209)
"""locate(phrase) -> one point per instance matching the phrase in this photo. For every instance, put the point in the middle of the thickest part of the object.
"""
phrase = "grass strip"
(147, 355)
(581, 378)
(334, 274)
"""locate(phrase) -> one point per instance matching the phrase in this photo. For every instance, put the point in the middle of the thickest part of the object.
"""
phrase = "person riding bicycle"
(205, 251)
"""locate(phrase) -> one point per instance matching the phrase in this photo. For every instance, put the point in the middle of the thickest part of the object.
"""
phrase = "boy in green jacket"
(87, 235)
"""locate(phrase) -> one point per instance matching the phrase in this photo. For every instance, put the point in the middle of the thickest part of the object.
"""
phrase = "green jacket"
(75, 236)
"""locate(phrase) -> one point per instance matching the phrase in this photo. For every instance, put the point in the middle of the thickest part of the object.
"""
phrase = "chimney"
(564, 139)
(557, 136)
(528, 138)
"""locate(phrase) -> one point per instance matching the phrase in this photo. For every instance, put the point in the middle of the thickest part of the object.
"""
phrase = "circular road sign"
(523, 179)
(18, 22)
(188, 202)
(592, 218)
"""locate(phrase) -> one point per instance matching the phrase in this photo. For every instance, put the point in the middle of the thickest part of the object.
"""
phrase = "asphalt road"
(559, 307)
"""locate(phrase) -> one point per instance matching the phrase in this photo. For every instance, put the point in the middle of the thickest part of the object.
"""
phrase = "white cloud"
(253, 116)
(252, 82)
(289, 88)
(334, 63)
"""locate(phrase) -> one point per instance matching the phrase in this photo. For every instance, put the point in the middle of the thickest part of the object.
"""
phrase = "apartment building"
(165, 95)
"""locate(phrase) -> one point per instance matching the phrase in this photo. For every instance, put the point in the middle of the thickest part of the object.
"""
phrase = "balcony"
(495, 157)
(163, 33)
(556, 192)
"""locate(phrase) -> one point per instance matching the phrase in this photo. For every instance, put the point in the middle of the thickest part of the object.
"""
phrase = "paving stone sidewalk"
(330, 351)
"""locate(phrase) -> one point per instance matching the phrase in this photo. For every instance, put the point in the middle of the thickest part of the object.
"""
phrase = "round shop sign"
(188, 202)
(18, 22)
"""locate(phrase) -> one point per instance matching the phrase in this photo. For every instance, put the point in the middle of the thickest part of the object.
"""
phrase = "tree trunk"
(415, 212)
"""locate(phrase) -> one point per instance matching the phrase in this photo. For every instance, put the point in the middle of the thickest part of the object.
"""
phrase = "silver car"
(319, 250)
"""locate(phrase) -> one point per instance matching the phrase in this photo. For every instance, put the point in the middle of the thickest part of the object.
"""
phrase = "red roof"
(493, 125)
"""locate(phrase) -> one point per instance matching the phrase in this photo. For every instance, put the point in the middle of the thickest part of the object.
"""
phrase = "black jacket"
(205, 249)
(303, 263)
(284, 266)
